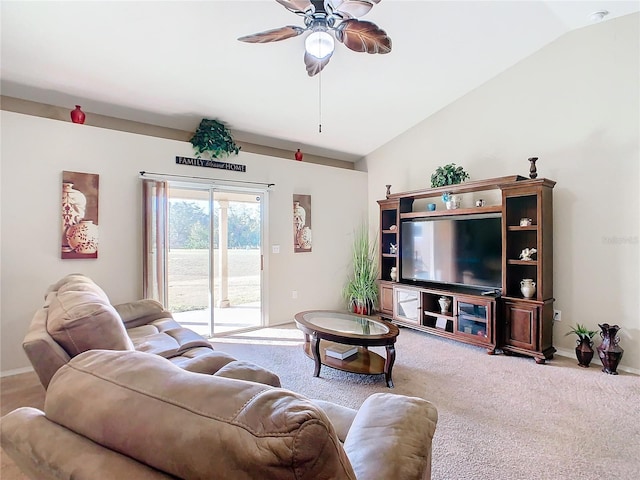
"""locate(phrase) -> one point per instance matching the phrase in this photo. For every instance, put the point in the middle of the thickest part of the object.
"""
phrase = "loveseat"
(77, 316)
(113, 415)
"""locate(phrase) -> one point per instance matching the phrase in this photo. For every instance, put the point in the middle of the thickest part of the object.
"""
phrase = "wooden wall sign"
(203, 162)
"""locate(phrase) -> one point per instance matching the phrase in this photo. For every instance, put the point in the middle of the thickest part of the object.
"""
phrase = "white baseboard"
(16, 371)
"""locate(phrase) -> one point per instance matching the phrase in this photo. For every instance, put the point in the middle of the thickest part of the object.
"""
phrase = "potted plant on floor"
(584, 348)
(361, 290)
(449, 174)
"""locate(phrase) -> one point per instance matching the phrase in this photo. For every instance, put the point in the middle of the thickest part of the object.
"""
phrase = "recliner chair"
(77, 316)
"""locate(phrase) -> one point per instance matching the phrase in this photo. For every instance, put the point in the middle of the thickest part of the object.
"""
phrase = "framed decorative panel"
(79, 215)
(302, 239)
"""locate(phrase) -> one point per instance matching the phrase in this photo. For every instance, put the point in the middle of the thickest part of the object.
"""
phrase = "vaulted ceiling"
(173, 63)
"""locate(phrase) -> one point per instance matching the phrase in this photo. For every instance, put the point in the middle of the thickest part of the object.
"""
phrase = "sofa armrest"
(391, 437)
(45, 450)
(341, 417)
(43, 352)
(141, 312)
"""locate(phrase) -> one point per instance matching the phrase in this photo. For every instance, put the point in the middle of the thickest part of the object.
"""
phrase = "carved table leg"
(388, 364)
(315, 350)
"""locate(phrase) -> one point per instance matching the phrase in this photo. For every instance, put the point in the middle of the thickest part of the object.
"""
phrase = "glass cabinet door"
(473, 318)
(406, 304)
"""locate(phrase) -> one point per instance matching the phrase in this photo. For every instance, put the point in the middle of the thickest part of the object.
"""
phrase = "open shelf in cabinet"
(435, 315)
(454, 211)
(519, 207)
(389, 238)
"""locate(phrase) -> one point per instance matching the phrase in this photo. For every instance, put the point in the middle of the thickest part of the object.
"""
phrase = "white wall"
(35, 151)
(574, 104)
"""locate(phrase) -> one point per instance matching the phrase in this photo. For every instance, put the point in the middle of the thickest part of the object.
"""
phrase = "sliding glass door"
(237, 260)
(214, 258)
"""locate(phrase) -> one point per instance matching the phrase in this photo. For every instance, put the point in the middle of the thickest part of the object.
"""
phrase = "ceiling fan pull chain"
(320, 102)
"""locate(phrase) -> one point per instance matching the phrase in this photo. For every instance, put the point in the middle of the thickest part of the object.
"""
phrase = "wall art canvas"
(79, 215)
(302, 240)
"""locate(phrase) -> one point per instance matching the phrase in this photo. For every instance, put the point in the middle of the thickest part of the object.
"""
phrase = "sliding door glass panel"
(189, 258)
(237, 260)
(214, 272)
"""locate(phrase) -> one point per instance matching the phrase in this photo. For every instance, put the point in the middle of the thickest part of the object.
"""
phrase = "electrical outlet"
(557, 315)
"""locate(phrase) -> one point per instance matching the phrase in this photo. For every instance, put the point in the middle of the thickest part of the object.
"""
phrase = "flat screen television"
(464, 250)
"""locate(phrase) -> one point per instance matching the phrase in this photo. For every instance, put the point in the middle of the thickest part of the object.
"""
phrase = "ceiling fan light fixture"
(320, 44)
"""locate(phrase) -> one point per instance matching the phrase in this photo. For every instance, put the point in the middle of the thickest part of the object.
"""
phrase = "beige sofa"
(113, 415)
(77, 316)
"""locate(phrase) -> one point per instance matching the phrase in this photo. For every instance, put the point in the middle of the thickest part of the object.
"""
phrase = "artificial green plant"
(361, 289)
(213, 137)
(581, 331)
(449, 174)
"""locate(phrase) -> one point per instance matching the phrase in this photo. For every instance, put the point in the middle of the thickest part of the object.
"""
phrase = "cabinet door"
(521, 325)
(386, 298)
(474, 318)
(406, 305)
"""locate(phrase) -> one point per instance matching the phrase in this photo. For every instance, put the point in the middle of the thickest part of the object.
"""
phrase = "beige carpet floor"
(500, 418)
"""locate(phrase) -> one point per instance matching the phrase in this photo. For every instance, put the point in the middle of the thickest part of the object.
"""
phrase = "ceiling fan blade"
(350, 8)
(362, 36)
(297, 6)
(274, 35)
(315, 64)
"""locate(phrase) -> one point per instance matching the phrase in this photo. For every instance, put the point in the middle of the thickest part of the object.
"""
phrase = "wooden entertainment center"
(496, 319)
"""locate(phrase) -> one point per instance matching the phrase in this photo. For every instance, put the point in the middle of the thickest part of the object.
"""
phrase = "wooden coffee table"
(321, 327)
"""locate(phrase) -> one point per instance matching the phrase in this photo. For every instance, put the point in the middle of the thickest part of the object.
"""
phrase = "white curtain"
(155, 247)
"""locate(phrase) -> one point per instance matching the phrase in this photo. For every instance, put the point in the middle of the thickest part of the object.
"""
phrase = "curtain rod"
(143, 173)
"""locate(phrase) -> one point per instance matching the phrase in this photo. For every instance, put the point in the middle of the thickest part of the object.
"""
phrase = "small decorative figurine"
(393, 248)
(298, 155)
(533, 173)
(393, 275)
(388, 190)
(526, 253)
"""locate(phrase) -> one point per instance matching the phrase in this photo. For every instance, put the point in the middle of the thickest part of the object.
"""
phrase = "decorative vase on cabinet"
(445, 303)
(609, 351)
(451, 201)
(528, 287)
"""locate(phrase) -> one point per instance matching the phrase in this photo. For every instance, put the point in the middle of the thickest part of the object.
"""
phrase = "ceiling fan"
(321, 17)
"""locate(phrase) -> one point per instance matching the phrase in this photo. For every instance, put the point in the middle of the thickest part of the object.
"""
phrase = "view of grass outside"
(189, 278)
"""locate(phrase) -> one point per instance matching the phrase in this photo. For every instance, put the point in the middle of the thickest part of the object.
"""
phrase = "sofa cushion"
(191, 425)
(167, 343)
(141, 312)
(80, 318)
(248, 371)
